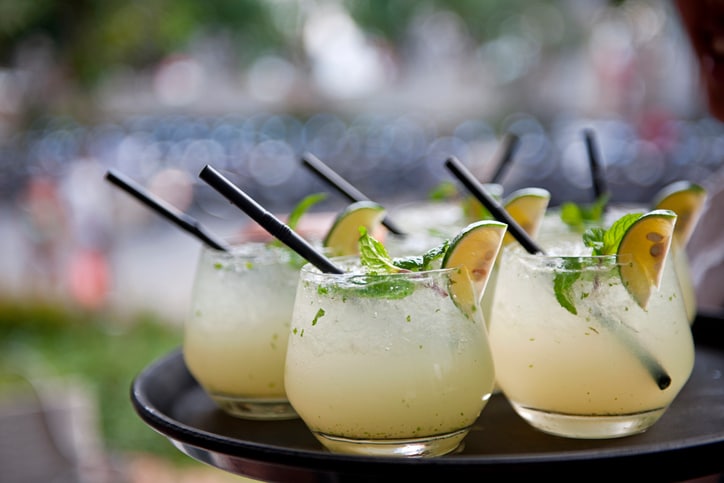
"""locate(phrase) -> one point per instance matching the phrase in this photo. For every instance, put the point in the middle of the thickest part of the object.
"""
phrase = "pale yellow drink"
(235, 337)
(597, 373)
(387, 364)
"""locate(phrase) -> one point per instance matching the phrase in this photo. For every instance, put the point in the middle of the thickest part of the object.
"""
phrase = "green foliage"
(302, 207)
(446, 190)
(606, 242)
(603, 242)
(425, 261)
(47, 341)
(373, 254)
(375, 257)
(380, 286)
(94, 36)
(563, 283)
(578, 216)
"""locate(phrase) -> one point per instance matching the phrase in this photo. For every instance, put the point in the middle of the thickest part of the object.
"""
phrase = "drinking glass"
(387, 364)
(235, 336)
(608, 370)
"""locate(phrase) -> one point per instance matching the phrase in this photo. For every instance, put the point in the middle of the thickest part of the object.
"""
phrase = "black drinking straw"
(269, 222)
(509, 147)
(654, 367)
(180, 219)
(600, 189)
(343, 186)
(600, 185)
(498, 212)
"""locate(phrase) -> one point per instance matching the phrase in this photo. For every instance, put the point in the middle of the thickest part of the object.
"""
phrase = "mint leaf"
(603, 242)
(384, 286)
(444, 191)
(296, 214)
(373, 254)
(422, 262)
(413, 263)
(563, 282)
(606, 242)
(578, 216)
(613, 236)
(572, 215)
(593, 238)
(302, 207)
(434, 253)
(320, 313)
(595, 211)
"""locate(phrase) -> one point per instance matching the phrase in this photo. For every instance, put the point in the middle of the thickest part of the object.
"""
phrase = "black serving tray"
(686, 443)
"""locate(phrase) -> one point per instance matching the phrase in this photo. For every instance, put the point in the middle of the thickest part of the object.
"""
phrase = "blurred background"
(93, 286)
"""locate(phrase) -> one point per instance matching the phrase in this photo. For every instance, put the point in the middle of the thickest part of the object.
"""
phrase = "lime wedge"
(527, 206)
(473, 210)
(686, 199)
(342, 238)
(642, 253)
(474, 250)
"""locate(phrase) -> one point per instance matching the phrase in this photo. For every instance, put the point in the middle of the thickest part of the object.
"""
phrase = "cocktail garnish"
(577, 216)
(563, 283)
(606, 241)
(342, 237)
(343, 186)
(293, 220)
(603, 242)
(375, 257)
(687, 200)
(302, 207)
(373, 254)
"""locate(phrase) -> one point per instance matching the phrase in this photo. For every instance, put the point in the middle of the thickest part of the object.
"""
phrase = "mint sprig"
(602, 242)
(424, 261)
(373, 254)
(446, 190)
(577, 216)
(375, 257)
(378, 282)
(563, 282)
(381, 286)
(302, 207)
(606, 242)
(296, 214)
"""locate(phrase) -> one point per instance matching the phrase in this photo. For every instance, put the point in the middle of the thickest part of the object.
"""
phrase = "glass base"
(428, 446)
(589, 427)
(258, 409)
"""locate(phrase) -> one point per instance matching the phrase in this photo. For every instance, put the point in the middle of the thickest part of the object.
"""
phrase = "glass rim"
(345, 261)
(589, 261)
(248, 251)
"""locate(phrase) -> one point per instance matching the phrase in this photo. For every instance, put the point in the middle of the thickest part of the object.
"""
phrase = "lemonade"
(392, 363)
(235, 336)
(582, 347)
(386, 374)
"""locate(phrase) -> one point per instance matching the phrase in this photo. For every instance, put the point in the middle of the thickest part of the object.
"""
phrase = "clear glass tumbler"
(387, 364)
(235, 336)
(603, 367)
